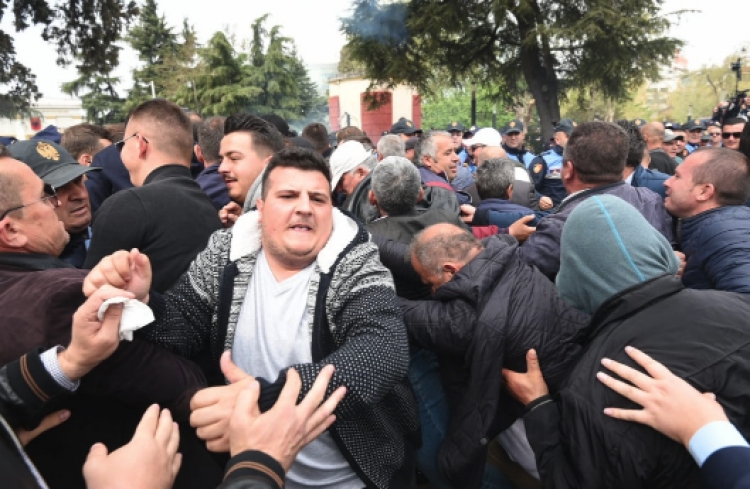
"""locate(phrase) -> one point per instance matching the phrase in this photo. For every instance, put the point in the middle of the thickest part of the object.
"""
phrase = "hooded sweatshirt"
(606, 247)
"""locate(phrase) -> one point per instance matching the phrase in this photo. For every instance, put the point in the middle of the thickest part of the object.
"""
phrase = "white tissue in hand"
(135, 315)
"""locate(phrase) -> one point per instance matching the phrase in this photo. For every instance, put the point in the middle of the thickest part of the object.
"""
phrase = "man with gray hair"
(495, 183)
(525, 193)
(396, 190)
(351, 165)
(391, 145)
(207, 150)
(438, 164)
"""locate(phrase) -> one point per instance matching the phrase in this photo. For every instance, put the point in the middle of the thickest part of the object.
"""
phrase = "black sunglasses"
(727, 135)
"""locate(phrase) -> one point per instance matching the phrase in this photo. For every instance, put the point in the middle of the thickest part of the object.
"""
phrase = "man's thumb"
(98, 451)
(532, 362)
(231, 371)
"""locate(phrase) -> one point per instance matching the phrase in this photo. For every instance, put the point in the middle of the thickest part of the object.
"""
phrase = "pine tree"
(154, 42)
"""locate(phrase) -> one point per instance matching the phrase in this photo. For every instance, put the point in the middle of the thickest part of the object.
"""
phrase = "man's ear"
(510, 191)
(11, 235)
(199, 153)
(259, 204)
(707, 192)
(85, 159)
(569, 172)
(451, 268)
(372, 199)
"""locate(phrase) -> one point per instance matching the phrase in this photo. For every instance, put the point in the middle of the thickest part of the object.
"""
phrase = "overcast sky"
(718, 28)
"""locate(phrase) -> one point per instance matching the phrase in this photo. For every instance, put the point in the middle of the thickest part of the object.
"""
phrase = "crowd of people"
(440, 308)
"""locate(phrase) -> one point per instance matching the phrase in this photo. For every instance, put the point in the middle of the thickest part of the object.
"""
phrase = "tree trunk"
(539, 73)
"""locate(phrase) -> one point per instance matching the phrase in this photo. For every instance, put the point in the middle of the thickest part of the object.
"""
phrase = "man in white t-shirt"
(295, 283)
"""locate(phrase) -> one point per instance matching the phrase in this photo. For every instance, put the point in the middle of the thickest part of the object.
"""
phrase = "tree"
(81, 30)
(272, 68)
(154, 42)
(178, 70)
(552, 46)
(454, 104)
(98, 96)
(220, 85)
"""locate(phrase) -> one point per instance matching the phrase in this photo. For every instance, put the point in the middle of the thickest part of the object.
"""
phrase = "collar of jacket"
(688, 223)
(585, 194)
(628, 302)
(246, 238)
(478, 276)
(32, 261)
(168, 171)
(514, 151)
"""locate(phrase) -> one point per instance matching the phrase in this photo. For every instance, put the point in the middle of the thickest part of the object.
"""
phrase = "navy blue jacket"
(650, 179)
(728, 468)
(113, 177)
(213, 184)
(542, 249)
(500, 213)
(716, 244)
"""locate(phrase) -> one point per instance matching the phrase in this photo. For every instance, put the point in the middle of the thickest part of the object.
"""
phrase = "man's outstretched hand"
(670, 405)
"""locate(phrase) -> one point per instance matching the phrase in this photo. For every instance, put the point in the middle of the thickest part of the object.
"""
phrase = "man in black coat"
(615, 266)
(489, 307)
(166, 215)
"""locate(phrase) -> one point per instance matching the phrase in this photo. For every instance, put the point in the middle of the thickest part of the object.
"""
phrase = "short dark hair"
(636, 143)
(295, 157)
(347, 133)
(267, 140)
(5, 152)
(84, 138)
(728, 171)
(734, 120)
(452, 246)
(172, 129)
(598, 151)
(116, 131)
(210, 133)
(316, 133)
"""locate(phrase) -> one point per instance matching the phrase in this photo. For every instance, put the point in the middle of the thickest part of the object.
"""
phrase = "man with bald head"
(489, 308)
(653, 133)
(166, 215)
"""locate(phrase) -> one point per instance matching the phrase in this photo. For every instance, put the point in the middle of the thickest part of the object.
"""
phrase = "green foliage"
(154, 42)
(701, 90)
(81, 30)
(98, 97)
(455, 105)
(265, 77)
(552, 46)
(220, 85)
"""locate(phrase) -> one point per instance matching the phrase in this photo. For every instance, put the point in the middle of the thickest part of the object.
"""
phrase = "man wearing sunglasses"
(166, 214)
(58, 169)
(731, 132)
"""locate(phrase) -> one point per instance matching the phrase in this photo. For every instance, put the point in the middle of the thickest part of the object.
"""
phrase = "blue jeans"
(434, 415)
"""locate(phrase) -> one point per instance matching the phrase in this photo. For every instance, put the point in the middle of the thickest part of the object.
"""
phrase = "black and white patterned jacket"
(355, 323)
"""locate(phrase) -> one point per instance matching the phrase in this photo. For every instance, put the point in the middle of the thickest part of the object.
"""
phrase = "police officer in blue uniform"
(456, 130)
(546, 168)
(513, 136)
(694, 130)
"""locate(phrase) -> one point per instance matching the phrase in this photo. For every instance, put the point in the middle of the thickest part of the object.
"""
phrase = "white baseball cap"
(486, 136)
(348, 156)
